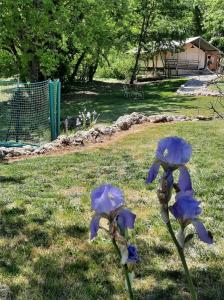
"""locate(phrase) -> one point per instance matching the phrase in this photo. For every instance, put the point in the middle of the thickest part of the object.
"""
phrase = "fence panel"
(25, 113)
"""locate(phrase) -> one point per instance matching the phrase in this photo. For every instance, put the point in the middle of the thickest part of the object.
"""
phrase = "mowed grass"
(108, 99)
(45, 252)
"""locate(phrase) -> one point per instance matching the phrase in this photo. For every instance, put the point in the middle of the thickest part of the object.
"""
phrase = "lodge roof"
(197, 41)
(201, 43)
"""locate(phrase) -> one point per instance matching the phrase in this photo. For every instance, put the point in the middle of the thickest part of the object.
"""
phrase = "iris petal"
(184, 182)
(132, 254)
(202, 232)
(94, 226)
(106, 198)
(153, 172)
(185, 208)
(173, 151)
(126, 219)
(169, 177)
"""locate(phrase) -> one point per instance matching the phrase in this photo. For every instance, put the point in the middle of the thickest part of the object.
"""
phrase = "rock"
(114, 128)
(79, 141)
(204, 118)
(2, 155)
(42, 151)
(5, 293)
(144, 119)
(66, 141)
(169, 118)
(181, 118)
(48, 147)
(94, 133)
(104, 130)
(29, 148)
(136, 118)
(157, 119)
(124, 122)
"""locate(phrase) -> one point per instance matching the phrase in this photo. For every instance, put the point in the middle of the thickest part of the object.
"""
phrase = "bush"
(7, 64)
(120, 66)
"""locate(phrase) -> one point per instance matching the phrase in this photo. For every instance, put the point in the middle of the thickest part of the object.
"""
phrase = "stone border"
(94, 135)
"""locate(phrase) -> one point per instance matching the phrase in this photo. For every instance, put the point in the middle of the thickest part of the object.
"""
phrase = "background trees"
(158, 22)
(213, 22)
(71, 39)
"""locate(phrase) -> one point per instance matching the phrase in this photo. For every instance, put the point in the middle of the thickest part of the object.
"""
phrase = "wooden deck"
(175, 64)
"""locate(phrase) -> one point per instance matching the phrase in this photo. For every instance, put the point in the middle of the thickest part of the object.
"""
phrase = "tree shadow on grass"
(55, 272)
(77, 231)
(73, 277)
(12, 221)
(110, 102)
(12, 179)
(209, 285)
(172, 284)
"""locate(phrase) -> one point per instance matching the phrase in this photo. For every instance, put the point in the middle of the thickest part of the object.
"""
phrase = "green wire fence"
(29, 112)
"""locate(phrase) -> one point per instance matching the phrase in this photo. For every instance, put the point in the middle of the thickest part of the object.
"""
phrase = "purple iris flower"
(107, 201)
(172, 153)
(132, 254)
(186, 209)
(125, 219)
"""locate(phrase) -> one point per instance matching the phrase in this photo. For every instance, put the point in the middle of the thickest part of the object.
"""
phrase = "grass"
(108, 99)
(218, 86)
(45, 251)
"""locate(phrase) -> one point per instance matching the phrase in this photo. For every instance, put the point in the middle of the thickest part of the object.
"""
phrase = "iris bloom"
(186, 209)
(129, 255)
(132, 254)
(107, 201)
(172, 153)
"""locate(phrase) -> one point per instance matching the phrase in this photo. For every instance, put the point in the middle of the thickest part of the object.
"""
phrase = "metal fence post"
(58, 107)
(52, 111)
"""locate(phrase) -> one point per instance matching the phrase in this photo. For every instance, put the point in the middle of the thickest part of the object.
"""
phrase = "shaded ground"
(109, 101)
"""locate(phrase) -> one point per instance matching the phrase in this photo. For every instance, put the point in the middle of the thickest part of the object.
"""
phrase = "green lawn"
(108, 99)
(45, 251)
(219, 86)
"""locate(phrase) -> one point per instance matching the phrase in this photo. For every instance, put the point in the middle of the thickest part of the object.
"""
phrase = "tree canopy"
(70, 39)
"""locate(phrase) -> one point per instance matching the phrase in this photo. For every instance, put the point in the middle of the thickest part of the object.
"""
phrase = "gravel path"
(198, 85)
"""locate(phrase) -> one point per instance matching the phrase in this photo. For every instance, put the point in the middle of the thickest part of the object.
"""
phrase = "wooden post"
(199, 51)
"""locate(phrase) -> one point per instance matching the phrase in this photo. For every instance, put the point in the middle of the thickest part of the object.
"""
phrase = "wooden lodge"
(195, 54)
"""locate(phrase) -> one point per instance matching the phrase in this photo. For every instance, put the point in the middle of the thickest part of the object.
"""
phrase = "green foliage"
(69, 39)
(7, 64)
(214, 22)
(120, 66)
(197, 21)
(46, 38)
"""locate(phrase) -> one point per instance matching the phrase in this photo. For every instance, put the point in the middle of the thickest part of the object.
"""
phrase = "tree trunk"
(76, 68)
(92, 69)
(145, 24)
(147, 18)
(34, 70)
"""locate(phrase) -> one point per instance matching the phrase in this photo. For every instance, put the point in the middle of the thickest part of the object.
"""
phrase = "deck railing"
(181, 64)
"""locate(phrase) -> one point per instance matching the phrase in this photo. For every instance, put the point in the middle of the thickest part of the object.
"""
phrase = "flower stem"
(125, 268)
(182, 257)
